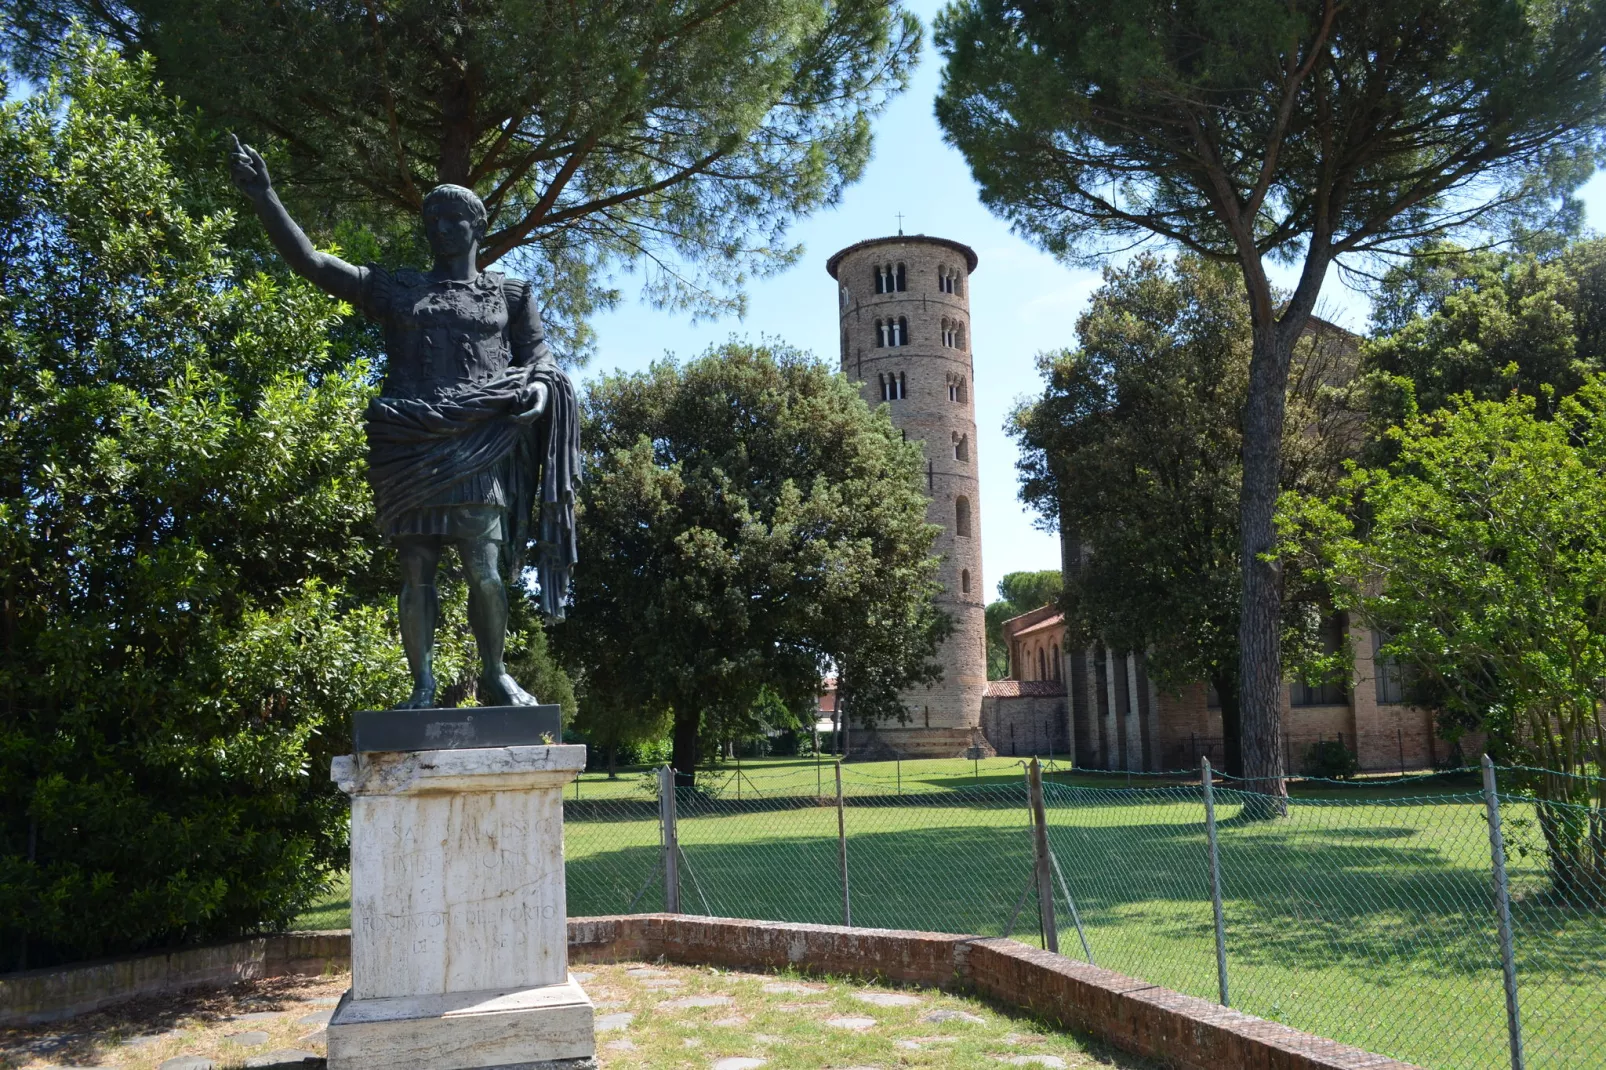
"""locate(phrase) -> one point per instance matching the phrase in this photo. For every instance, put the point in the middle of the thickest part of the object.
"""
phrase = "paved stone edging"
(1190, 1033)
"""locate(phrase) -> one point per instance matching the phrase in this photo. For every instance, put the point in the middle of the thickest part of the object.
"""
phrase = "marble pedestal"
(459, 941)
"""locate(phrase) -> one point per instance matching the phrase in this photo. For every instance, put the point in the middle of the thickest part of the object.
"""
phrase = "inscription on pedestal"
(456, 891)
(455, 729)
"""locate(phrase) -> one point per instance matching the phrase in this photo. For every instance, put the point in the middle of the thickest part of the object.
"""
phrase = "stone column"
(459, 943)
(1112, 738)
(1068, 668)
(1090, 689)
(1156, 752)
(1134, 726)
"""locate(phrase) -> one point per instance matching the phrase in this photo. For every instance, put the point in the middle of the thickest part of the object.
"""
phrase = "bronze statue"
(474, 434)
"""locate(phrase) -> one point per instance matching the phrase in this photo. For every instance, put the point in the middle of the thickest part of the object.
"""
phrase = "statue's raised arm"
(473, 440)
(329, 273)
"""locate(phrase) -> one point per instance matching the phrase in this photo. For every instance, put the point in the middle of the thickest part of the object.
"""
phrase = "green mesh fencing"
(1558, 923)
(1359, 914)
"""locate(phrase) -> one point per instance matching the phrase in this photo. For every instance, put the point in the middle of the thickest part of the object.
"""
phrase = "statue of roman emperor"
(474, 437)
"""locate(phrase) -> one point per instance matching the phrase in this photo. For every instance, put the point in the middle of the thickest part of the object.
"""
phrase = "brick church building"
(1100, 706)
(1112, 716)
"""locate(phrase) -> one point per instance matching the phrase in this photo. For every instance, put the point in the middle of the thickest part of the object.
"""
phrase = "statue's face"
(449, 229)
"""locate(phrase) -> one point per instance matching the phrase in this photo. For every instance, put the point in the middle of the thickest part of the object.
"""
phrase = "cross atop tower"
(900, 224)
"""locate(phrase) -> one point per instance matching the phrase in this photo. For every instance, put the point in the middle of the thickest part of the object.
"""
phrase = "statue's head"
(454, 217)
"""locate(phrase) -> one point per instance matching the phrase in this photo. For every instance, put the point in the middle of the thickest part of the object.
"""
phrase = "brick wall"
(49, 995)
(916, 958)
(1189, 728)
(1184, 1032)
(1030, 725)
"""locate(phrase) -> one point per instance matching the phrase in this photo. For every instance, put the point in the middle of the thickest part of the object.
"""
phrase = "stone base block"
(545, 1028)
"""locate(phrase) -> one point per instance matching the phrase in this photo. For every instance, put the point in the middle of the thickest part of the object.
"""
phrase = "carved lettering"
(403, 923)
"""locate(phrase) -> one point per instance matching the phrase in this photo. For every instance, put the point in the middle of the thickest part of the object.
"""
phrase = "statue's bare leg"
(418, 606)
(487, 616)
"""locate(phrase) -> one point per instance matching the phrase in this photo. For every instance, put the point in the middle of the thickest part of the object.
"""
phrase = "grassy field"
(657, 1017)
(1364, 915)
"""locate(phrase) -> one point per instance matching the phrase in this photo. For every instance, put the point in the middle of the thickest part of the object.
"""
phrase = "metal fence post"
(842, 850)
(1502, 906)
(668, 821)
(1207, 781)
(1045, 878)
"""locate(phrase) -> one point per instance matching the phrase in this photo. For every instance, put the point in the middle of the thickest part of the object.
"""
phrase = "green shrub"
(1330, 760)
(191, 588)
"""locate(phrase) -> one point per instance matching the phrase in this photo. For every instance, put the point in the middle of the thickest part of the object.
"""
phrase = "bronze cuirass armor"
(444, 335)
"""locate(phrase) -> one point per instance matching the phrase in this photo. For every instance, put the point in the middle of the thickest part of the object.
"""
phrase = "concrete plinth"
(459, 953)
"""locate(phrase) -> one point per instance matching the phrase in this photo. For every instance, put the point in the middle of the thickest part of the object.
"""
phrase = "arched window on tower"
(882, 283)
(959, 385)
(959, 336)
(964, 581)
(901, 277)
(882, 330)
(903, 391)
(900, 331)
(950, 332)
(945, 279)
(962, 517)
(961, 447)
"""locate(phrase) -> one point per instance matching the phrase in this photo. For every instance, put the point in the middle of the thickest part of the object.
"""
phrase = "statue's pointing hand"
(248, 170)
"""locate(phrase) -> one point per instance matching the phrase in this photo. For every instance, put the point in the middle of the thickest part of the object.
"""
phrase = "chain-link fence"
(1368, 915)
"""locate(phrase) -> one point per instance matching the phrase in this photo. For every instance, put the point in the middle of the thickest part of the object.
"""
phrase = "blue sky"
(1022, 301)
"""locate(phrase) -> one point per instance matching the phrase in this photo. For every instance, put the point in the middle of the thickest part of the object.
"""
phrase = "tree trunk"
(613, 761)
(683, 749)
(458, 129)
(1260, 672)
(1232, 739)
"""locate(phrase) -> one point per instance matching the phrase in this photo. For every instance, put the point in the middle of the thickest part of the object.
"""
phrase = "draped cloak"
(445, 451)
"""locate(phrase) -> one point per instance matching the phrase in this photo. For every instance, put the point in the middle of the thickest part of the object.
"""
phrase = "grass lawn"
(1364, 915)
(656, 1017)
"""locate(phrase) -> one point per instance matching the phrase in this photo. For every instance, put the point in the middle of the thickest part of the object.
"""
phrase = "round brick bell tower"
(905, 334)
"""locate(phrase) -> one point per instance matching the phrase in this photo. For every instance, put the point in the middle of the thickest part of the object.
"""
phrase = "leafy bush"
(191, 589)
(1330, 760)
